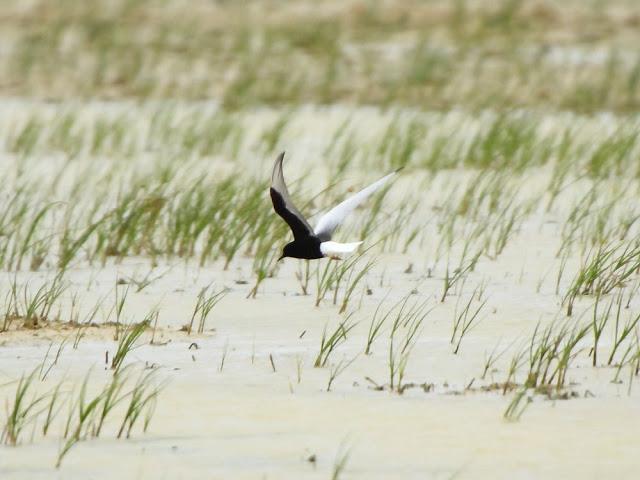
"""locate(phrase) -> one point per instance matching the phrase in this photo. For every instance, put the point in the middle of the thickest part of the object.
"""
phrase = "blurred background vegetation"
(580, 55)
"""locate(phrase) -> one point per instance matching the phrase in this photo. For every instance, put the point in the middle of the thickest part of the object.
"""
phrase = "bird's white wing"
(334, 217)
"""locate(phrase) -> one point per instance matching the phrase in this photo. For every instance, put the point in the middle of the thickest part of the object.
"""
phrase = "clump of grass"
(28, 243)
(142, 400)
(353, 279)
(518, 360)
(325, 279)
(550, 354)
(88, 416)
(207, 299)
(86, 411)
(377, 322)
(403, 336)
(491, 359)
(348, 273)
(111, 396)
(24, 410)
(120, 301)
(599, 322)
(61, 346)
(630, 358)
(52, 409)
(621, 333)
(464, 321)
(503, 228)
(517, 406)
(451, 279)
(71, 244)
(127, 342)
(32, 308)
(602, 271)
(264, 260)
(329, 343)
(337, 369)
(87, 320)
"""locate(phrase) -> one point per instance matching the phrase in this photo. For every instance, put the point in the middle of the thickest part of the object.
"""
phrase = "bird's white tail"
(336, 249)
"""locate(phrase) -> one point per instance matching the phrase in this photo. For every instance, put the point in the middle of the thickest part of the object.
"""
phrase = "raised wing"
(334, 217)
(283, 205)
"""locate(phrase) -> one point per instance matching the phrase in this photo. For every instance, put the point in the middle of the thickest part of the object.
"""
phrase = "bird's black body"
(307, 248)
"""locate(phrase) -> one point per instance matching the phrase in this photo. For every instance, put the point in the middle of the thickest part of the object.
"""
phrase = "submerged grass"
(24, 410)
(89, 414)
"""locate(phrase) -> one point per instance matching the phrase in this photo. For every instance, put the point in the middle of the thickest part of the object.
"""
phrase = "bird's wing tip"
(277, 167)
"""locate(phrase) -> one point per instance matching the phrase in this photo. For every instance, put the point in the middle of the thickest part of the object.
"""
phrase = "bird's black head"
(289, 250)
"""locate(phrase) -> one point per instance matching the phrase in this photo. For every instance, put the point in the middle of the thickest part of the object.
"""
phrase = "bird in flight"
(310, 243)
